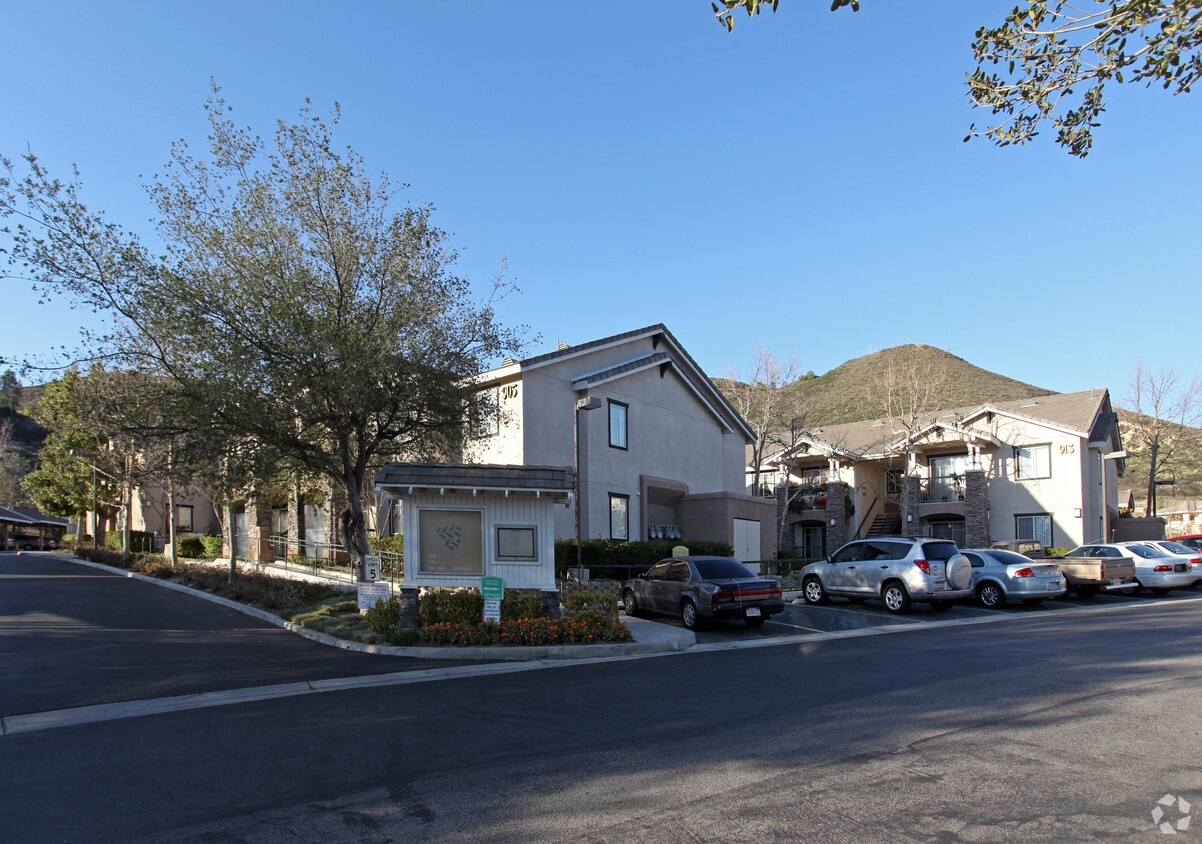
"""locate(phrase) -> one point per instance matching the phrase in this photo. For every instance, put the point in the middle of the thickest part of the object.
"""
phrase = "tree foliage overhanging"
(298, 310)
(1050, 60)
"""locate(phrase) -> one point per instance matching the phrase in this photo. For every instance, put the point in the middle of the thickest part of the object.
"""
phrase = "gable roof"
(477, 476)
(666, 352)
(1086, 414)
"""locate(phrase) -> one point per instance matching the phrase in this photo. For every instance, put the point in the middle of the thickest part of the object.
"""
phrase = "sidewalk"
(649, 636)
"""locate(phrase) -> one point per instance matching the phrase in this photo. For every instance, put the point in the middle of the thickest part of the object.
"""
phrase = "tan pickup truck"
(1092, 568)
(1087, 570)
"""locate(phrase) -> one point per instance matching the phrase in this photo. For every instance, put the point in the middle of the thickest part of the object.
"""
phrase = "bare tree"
(765, 401)
(907, 393)
(1163, 409)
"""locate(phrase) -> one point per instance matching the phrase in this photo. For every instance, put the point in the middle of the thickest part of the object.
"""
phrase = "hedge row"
(612, 552)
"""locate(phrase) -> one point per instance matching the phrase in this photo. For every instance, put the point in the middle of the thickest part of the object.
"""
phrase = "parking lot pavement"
(802, 619)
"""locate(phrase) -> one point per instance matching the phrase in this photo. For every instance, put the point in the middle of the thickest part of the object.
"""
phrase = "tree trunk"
(1150, 504)
(231, 534)
(352, 527)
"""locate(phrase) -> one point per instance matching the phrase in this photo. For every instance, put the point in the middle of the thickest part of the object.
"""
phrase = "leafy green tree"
(299, 311)
(1050, 61)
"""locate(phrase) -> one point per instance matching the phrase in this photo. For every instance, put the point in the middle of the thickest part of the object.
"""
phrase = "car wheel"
(1033, 602)
(990, 595)
(941, 606)
(756, 620)
(1129, 591)
(630, 604)
(813, 590)
(896, 598)
(688, 614)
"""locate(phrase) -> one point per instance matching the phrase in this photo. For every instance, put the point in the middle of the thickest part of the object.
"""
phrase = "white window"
(1037, 527)
(619, 516)
(1033, 461)
(617, 424)
(517, 543)
(183, 518)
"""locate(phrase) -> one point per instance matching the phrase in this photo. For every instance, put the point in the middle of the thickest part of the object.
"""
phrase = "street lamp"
(586, 403)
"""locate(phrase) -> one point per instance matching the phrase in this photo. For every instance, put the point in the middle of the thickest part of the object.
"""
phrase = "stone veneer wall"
(836, 515)
(976, 509)
(909, 516)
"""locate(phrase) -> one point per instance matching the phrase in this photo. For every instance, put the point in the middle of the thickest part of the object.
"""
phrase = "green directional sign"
(492, 588)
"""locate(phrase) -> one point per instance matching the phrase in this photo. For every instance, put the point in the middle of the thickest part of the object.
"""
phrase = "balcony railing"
(941, 488)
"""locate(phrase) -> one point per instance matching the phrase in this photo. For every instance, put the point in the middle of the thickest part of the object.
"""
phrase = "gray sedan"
(702, 589)
(998, 575)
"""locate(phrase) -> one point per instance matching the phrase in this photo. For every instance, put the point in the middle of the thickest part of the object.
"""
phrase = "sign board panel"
(369, 593)
(371, 564)
(492, 588)
(680, 551)
(492, 610)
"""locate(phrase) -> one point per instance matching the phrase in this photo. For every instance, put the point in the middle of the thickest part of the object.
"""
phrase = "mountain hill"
(845, 394)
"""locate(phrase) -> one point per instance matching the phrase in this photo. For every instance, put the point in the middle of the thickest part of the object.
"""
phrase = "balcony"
(941, 488)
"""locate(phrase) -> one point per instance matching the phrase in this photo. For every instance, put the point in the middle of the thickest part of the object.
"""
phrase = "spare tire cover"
(959, 572)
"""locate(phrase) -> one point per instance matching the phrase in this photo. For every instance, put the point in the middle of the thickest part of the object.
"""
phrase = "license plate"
(752, 612)
(1052, 587)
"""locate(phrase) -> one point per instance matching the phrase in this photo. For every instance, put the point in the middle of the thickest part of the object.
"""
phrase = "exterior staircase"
(884, 525)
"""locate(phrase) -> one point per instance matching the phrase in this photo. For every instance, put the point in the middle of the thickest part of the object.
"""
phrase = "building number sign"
(509, 391)
(1070, 448)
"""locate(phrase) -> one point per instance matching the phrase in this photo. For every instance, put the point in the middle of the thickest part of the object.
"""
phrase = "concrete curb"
(649, 636)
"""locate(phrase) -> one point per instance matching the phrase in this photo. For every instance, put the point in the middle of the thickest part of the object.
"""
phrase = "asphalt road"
(1054, 725)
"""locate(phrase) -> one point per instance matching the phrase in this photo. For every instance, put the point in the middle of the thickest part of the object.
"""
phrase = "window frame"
(1018, 461)
(625, 499)
(507, 558)
(179, 523)
(1051, 532)
(625, 426)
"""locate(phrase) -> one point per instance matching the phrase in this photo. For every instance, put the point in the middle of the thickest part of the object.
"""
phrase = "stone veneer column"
(976, 507)
(410, 616)
(910, 524)
(296, 522)
(551, 603)
(258, 532)
(836, 515)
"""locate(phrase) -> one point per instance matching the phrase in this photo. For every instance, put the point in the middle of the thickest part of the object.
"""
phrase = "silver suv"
(896, 569)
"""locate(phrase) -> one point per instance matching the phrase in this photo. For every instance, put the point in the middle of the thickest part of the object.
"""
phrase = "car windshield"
(939, 550)
(721, 569)
(1146, 551)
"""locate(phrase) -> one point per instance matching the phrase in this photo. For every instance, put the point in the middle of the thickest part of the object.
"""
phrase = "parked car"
(701, 589)
(1157, 570)
(1177, 549)
(33, 543)
(896, 569)
(998, 575)
(1090, 569)
(1193, 541)
(1027, 547)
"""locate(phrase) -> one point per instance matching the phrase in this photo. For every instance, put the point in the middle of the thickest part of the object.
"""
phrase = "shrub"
(189, 546)
(609, 558)
(389, 544)
(213, 546)
(403, 638)
(140, 542)
(515, 606)
(100, 555)
(599, 605)
(444, 607)
(384, 616)
(531, 631)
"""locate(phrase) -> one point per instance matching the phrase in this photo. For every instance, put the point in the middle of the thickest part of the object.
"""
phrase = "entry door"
(747, 540)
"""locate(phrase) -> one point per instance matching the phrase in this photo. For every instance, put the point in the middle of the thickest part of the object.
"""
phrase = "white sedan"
(1157, 569)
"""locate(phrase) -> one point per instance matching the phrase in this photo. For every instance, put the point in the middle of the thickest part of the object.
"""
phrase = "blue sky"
(801, 183)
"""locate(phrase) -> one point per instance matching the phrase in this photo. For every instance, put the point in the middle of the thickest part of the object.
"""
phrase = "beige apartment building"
(660, 449)
(1045, 468)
